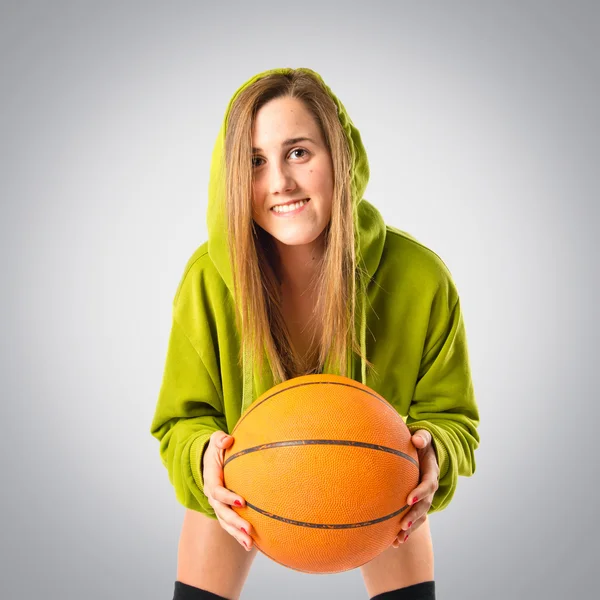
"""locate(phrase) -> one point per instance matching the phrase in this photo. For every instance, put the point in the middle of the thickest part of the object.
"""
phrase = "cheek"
(326, 188)
(256, 197)
(321, 180)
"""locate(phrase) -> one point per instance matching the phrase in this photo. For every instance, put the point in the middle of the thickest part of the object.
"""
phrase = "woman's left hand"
(421, 497)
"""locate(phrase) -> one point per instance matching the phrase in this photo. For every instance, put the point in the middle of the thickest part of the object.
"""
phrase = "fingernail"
(244, 530)
(414, 499)
(237, 503)
(409, 525)
(405, 538)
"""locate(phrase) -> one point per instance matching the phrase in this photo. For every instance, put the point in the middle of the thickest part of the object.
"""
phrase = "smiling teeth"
(289, 207)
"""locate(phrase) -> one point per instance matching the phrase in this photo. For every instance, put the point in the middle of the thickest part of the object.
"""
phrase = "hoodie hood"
(368, 223)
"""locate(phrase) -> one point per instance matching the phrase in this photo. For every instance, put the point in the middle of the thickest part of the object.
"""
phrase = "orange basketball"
(325, 465)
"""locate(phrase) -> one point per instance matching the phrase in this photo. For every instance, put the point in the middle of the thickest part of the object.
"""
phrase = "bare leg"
(209, 558)
(406, 565)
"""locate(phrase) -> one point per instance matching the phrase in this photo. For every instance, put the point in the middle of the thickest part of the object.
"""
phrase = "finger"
(212, 479)
(429, 479)
(426, 489)
(213, 468)
(225, 441)
(235, 532)
(209, 460)
(421, 438)
(237, 527)
(408, 520)
(225, 496)
(416, 515)
(398, 540)
(404, 536)
(221, 439)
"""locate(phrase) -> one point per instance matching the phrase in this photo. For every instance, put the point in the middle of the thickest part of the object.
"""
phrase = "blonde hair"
(254, 256)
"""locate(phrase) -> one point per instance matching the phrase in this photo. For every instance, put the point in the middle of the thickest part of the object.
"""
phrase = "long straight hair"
(253, 253)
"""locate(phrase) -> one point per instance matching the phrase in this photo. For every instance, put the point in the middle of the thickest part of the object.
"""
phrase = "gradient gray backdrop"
(481, 124)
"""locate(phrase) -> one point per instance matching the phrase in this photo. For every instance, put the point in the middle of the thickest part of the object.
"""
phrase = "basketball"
(325, 465)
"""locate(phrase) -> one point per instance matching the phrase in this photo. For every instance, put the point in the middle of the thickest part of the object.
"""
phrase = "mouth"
(288, 207)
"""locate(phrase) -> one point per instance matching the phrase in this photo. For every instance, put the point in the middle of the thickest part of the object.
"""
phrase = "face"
(287, 170)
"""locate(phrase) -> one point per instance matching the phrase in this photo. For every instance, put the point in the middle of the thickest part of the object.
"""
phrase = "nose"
(280, 179)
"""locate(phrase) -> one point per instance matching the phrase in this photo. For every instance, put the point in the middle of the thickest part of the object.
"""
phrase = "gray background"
(481, 124)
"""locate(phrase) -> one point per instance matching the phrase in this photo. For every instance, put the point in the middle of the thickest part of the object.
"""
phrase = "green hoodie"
(417, 341)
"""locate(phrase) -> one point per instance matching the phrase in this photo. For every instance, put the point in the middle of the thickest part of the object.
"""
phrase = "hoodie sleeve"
(444, 400)
(189, 409)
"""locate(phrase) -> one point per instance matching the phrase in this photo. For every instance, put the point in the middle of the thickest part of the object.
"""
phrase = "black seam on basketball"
(255, 405)
(326, 525)
(323, 443)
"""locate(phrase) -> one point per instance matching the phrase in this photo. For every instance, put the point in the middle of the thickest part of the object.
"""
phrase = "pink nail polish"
(414, 500)
(237, 503)
(405, 538)
(244, 530)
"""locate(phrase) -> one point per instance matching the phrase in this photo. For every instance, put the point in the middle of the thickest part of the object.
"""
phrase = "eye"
(255, 158)
(299, 150)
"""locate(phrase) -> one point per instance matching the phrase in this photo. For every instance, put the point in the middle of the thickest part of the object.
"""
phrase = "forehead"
(283, 118)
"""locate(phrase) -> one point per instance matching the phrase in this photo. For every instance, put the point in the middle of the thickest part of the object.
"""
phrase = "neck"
(299, 264)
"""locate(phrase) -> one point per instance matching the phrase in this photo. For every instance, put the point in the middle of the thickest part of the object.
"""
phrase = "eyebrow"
(289, 142)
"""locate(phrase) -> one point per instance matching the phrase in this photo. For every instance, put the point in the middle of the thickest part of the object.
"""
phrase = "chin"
(295, 239)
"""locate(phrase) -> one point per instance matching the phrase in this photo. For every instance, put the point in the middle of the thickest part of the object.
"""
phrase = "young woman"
(297, 269)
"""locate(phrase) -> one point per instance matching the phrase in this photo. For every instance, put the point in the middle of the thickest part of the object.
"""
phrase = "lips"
(288, 203)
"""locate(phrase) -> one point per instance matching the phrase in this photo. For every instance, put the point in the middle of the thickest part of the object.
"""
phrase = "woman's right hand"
(219, 497)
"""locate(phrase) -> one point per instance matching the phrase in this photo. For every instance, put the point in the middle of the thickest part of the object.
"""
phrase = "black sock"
(418, 591)
(183, 591)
